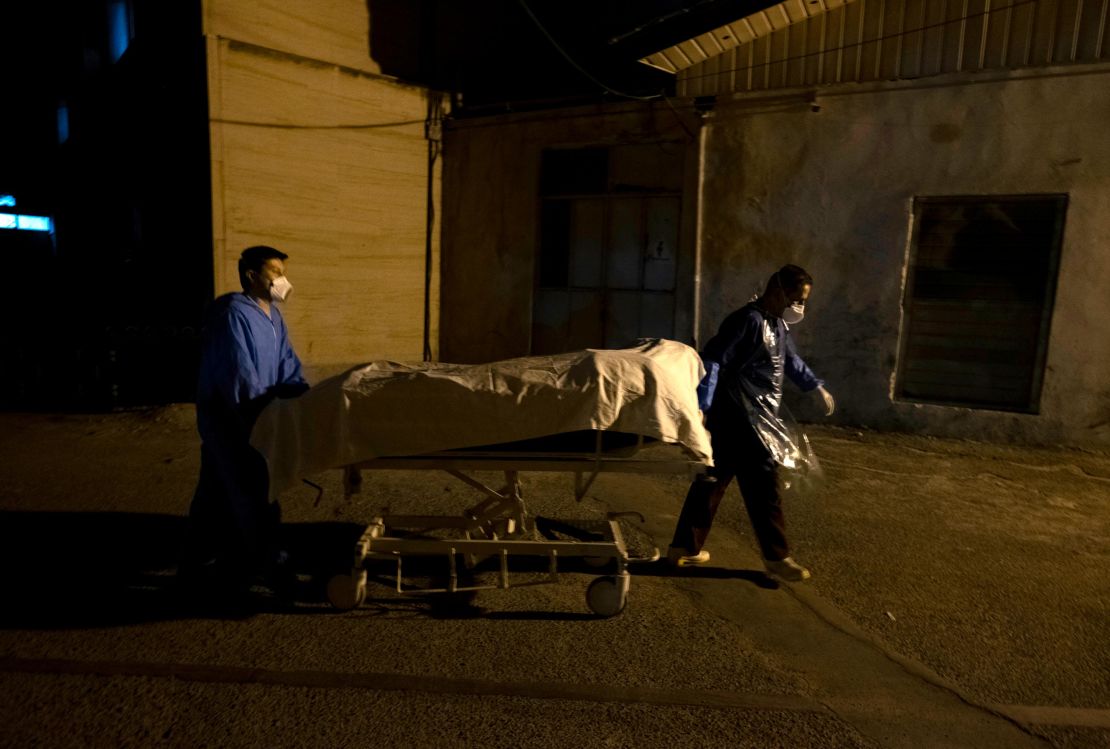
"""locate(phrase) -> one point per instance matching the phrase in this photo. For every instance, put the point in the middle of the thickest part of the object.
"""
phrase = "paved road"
(958, 600)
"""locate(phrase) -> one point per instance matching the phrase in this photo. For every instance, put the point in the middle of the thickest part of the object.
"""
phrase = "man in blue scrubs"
(246, 361)
(740, 396)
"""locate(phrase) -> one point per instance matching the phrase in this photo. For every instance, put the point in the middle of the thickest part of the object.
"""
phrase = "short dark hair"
(253, 258)
(790, 277)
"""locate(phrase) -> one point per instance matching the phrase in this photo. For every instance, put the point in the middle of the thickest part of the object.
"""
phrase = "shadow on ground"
(62, 570)
(73, 570)
(662, 569)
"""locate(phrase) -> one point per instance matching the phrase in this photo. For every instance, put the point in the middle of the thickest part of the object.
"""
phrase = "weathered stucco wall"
(316, 154)
(491, 209)
(832, 191)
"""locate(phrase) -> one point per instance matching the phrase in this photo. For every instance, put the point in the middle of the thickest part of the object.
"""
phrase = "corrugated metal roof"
(712, 43)
(822, 42)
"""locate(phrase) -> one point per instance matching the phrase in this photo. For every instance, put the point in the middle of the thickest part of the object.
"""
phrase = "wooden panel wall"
(329, 165)
(337, 31)
(493, 211)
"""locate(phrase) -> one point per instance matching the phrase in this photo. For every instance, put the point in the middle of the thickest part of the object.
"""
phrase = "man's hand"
(830, 403)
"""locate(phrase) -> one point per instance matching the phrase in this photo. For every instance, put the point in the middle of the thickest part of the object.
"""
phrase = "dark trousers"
(737, 453)
(231, 519)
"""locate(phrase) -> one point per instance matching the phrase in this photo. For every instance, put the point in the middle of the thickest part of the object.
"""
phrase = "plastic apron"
(759, 389)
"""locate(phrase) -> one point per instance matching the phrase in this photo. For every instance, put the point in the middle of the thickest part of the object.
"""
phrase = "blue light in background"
(63, 123)
(22, 222)
(119, 28)
(7, 200)
(34, 223)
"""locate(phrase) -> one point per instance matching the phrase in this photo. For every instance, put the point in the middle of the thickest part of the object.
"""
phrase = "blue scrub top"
(245, 357)
(739, 353)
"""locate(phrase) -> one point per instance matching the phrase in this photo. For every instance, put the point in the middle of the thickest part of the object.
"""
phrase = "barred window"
(978, 302)
(609, 244)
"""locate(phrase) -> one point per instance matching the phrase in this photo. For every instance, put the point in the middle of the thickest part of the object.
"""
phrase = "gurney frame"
(499, 527)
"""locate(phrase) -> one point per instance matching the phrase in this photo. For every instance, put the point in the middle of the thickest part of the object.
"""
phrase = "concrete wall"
(832, 191)
(491, 208)
(316, 153)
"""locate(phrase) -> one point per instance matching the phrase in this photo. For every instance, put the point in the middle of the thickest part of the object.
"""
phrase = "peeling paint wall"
(832, 190)
(491, 209)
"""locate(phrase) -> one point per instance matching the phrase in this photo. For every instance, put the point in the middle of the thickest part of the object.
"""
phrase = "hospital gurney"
(529, 414)
(500, 527)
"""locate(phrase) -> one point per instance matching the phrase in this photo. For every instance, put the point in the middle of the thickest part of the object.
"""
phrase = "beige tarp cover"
(390, 409)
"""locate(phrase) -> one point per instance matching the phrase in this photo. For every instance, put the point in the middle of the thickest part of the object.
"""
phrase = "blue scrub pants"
(738, 453)
(231, 520)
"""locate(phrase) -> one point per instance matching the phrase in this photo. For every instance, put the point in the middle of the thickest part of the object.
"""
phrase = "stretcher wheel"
(607, 595)
(346, 593)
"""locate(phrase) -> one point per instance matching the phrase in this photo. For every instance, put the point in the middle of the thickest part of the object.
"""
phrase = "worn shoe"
(678, 557)
(787, 569)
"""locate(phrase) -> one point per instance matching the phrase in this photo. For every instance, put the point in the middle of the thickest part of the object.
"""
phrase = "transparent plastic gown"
(761, 394)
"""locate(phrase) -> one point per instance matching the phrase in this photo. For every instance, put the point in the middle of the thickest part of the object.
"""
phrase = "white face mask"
(793, 314)
(280, 289)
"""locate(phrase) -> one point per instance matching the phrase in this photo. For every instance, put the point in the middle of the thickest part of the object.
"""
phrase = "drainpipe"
(433, 133)
(699, 213)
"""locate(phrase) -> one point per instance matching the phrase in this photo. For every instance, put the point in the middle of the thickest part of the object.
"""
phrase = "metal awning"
(761, 23)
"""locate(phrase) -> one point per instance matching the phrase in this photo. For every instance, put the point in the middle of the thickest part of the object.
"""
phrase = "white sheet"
(389, 409)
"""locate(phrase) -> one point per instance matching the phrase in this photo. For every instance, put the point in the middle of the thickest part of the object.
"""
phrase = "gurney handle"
(319, 492)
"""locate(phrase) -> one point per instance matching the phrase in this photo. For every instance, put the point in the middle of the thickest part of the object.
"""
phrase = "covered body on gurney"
(515, 415)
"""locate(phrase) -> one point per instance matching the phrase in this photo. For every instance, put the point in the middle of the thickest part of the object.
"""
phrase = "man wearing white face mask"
(740, 396)
(246, 361)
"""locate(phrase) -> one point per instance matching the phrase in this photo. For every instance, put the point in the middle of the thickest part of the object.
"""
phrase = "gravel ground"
(987, 563)
(152, 712)
(983, 566)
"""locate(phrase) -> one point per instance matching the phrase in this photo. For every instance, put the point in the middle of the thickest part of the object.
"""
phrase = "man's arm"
(707, 388)
(802, 376)
(736, 341)
(229, 370)
(797, 370)
(234, 374)
(291, 381)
